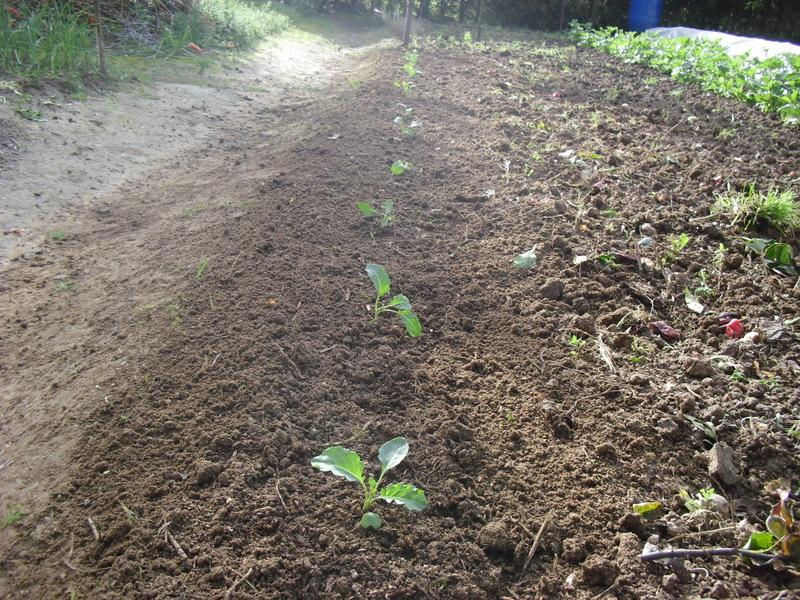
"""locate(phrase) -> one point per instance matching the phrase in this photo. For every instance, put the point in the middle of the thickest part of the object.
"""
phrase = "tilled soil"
(194, 468)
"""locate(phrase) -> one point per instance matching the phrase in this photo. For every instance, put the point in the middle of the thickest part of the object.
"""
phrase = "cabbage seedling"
(369, 211)
(399, 167)
(345, 463)
(398, 304)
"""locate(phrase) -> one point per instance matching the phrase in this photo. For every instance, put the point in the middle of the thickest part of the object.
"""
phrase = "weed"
(704, 290)
(129, 514)
(399, 167)
(750, 207)
(467, 37)
(195, 210)
(676, 246)
(726, 133)
(509, 417)
(48, 39)
(703, 500)
(398, 304)
(577, 343)
(707, 427)
(29, 113)
(385, 219)
(175, 317)
(404, 86)
(13, 515)
(719, 257)
(608, 259)
(201, 268)
(57, 236)
(345, 463)
(739, 376)
(65, 286)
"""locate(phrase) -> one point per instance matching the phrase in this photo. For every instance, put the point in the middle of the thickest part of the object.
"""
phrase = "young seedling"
(702, 500)
(345, 463)
(58, 236)
(386, 218)
(400, 166)
(677, 244)
(577, 343)
(201, 267)
(404, 86)
(398, 304)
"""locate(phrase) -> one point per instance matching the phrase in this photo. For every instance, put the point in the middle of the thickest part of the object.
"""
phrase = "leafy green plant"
(704, 289)
(342, 462)
(399, 167)
(750, 207)
(771, 84)
(608, 259)
(57, 236)
(12, 515)
(385, 218)
(676, 246)
(702, 500)
(398, 304)
(782, 535)
(777, 255)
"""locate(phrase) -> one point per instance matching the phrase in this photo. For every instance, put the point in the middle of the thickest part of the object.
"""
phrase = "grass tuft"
(749, 207)
(13, 515)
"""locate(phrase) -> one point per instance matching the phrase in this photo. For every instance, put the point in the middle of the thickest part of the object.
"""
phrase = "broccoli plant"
(369, 211)
(398, 304)
(346, 463)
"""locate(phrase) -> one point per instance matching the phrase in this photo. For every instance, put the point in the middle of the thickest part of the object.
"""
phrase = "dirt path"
(217, 340)
(70, 307)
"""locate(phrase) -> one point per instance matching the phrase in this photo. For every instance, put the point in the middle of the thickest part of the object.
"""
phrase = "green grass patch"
(772, 85)
(47, 41)
(12, 515)
(749, 207)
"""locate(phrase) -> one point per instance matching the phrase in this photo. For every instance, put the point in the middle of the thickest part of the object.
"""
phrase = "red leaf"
(666, 331)
(734, 329)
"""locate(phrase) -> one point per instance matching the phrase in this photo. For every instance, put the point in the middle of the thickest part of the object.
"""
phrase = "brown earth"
(203, 397)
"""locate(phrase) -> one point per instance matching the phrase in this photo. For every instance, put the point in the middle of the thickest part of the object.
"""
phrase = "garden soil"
(215, 336)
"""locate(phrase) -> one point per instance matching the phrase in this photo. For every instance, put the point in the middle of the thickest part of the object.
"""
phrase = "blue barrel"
(644, 14)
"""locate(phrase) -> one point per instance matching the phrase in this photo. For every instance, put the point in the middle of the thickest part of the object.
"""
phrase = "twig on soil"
(290, 362)
(6, 463)
(536, 541)
(691, 534)
(238, 582)
(171, 540)
(356, 436)
(215, 360)
(93, 527)
(278, 490)
(709, 552)
(328, 349)
(604, 592)
(605, 354)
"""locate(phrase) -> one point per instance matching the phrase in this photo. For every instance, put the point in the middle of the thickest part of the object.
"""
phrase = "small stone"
(648, 230)
(494, 539)
(670, 584)
(584, 323)
(599, 572)
(698, 368)
(216, 575)
(573, 550)
(721, 465)
(719, 590)
(553, 289)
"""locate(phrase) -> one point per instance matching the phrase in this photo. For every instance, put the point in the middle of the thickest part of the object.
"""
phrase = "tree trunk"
(595, 12)
(480, 20)
(424, 9)
(443, 8)
(101, 49)
(462, 9)
(563, 8)
(407, 25)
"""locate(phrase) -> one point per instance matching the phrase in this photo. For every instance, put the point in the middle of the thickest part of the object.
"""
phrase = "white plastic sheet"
(734, 44)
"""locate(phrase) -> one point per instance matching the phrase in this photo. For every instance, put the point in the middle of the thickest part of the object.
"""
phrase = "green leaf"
(405, 494)
(760, 541)
(380, 279)
(371, 520)
(526, 260)
(643, 508)
(780, 254)
(393, 452)
(366, 209)
(411, 321)
(388, 213)
(777, 526)
(341, 462)
(399, 302)
(399, 167)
